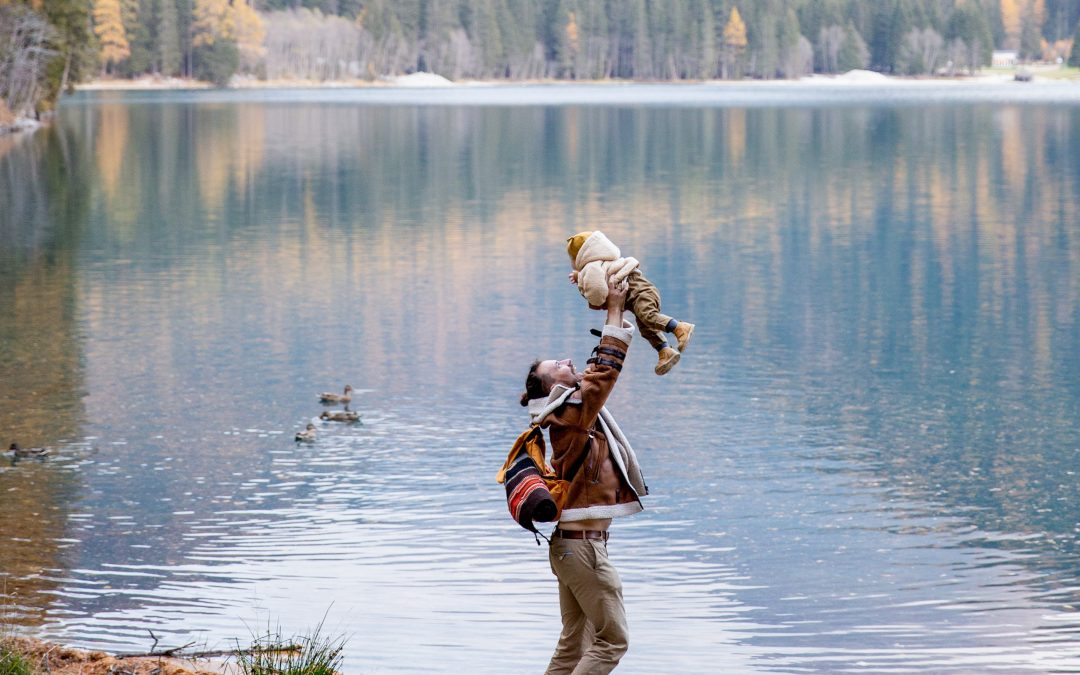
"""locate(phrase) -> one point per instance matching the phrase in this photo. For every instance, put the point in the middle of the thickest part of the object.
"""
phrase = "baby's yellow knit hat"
(573, 244)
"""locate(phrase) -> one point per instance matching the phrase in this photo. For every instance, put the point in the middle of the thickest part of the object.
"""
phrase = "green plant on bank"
(272, 654)
(12, 663)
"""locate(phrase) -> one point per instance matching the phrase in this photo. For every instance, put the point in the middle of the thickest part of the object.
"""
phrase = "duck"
(340, 416)
(17, 451)
(330, 397)
(307, 435)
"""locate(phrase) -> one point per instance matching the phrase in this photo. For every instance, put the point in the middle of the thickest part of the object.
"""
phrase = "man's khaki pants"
(594, 634)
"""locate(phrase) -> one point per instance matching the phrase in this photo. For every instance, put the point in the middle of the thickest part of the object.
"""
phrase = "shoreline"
(428, 80)
(57, 659)
(23, 124)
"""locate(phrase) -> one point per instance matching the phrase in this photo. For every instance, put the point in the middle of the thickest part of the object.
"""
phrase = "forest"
(48, 45)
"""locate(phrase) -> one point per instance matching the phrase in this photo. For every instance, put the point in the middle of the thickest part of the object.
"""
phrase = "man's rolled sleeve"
(623, 334)
(604, 368)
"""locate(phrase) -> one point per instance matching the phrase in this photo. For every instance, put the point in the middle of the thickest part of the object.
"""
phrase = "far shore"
(1045, 74)
(428, 80)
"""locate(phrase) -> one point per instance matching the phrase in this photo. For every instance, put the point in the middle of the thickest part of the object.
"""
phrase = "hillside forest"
(48, 45)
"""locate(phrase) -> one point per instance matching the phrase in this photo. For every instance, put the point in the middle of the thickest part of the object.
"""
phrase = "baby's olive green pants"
(643, 299)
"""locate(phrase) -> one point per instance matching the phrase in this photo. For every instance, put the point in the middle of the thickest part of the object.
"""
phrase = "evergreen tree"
(708, 52)
(854, 54)
(642, 45)
(1030, 36)
(216, 62)
(168, 38)
(969, 35)
(788, 38)
(893, 23)
(1074, 54)
(139, 23)
(762, 29)
(71, 20)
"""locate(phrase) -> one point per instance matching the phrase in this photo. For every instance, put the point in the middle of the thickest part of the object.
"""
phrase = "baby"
(594, 259)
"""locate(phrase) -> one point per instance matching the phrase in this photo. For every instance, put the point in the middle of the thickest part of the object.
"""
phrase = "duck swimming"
(340, 416)
(307, 435)
(21, 452)
(329, 397)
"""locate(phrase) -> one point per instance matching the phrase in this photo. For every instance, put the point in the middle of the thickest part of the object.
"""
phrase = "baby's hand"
(572, 276)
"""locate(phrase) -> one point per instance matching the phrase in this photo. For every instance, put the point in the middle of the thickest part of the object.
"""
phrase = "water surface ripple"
(866, 461)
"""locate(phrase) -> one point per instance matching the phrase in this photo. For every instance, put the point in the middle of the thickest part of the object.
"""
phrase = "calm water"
(866, 462)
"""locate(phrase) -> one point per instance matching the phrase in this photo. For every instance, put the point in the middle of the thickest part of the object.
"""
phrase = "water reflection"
(42, 178)
(864, 461)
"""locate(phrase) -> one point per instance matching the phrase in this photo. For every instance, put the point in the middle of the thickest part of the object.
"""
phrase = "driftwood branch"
(179, 653)
(173, 652)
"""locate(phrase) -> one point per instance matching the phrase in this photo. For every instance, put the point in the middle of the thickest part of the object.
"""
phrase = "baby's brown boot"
(683, 332)
(668, 358)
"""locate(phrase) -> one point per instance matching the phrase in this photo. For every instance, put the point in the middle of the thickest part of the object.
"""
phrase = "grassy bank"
(271, 653)
(29, 656)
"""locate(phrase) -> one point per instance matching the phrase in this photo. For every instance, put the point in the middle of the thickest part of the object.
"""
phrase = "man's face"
(558, 372)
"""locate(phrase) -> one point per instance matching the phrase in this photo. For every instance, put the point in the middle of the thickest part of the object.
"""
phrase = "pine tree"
(854, 54)
(969, 28)
(168, 38)
(707, 63)
(788, 38)
(893, 23)
(71, 19)
(762, 27)
(138, 24)
(109, 27)
(1030, 35)
(1074, 54)
(642, 62)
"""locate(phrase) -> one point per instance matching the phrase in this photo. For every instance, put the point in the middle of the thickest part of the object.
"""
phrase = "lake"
(865, 462)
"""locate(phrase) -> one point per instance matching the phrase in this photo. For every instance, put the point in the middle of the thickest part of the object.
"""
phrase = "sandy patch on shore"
(144, 83)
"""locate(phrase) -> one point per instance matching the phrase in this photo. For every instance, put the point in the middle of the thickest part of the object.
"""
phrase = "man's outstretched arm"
(607, 360)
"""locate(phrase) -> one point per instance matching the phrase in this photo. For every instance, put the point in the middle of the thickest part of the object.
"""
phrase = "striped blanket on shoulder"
(527, 494)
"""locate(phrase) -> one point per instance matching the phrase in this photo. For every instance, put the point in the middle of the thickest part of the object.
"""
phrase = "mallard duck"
(329, 397)
(17, 451)
(340, 416)
(307, 435)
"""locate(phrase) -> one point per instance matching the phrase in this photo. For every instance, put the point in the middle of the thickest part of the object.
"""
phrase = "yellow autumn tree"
(224, 20)
(734, 41)
(572, 33)
(109, 27)
(213, 20)
(1010, 21)
(250, 30)
(1038, 11)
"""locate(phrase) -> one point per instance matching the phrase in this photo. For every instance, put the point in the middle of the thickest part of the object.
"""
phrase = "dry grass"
(44, 657)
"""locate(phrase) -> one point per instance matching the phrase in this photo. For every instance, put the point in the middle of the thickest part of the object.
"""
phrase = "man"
(589, 450)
